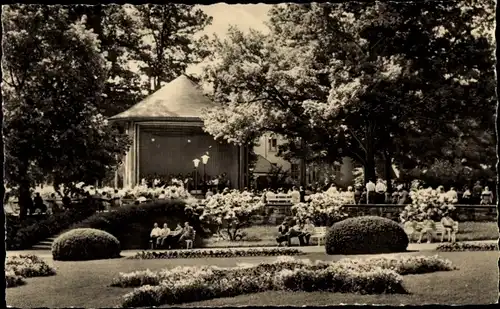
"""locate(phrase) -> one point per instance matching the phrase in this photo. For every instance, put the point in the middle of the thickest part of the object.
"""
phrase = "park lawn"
(86, 284)
(265, 235)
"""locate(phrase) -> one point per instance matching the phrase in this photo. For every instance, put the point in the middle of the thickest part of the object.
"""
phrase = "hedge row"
(451, 247)
(131, 224)
(27, 236)
(176, 254)
(25, 266)
(188, 284)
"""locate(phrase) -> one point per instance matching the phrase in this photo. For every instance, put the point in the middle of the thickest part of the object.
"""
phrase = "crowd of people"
(164, 238)
(214, 183)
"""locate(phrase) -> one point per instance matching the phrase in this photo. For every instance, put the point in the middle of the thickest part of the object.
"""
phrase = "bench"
(319, 234)
(189, 242)
(439, 230)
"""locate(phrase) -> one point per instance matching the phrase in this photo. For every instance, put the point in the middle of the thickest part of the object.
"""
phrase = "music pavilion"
(167, 134)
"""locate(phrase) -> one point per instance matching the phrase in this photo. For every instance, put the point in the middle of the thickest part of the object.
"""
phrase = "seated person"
(307, 231)
(283, 230)
(164, 235)
(174, 237)
(295, 231)
(155, 233)
(448, 225)
(428, 228)
(38, 203)
(486, 197)
(187, 232)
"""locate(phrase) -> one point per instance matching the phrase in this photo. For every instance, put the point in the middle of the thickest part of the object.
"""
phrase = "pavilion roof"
(181, 98)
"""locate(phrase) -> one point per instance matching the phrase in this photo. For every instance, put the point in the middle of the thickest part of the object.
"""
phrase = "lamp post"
(204, 159)
(196, 163)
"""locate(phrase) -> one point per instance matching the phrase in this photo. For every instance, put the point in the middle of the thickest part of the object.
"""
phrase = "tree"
(119, 36)
(53, 83)
(167, 46)
(356, 79)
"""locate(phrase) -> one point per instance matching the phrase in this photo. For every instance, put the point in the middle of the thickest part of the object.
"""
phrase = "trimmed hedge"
(85, 244)
(366, 235)
(132, 224)
(25, 234)
(451, 247)
(175, 254)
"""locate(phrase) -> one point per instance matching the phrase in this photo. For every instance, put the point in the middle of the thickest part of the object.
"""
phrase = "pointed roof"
(181, 98)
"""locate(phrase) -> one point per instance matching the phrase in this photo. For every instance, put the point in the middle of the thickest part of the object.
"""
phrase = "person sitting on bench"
(164, 235)
(283, 230)
(155, 233)
(307, 232)
(448, 225)
(187, 232)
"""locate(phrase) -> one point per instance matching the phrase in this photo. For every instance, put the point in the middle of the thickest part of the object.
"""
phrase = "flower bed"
(188, 284)
(25, 266)
(178, 254)
(450, 247)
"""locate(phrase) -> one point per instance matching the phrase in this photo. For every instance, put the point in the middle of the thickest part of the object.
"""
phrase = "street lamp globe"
(204, 159)
(196, 162)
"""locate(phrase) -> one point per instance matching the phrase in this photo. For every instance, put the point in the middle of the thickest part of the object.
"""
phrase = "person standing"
(38, 201)
(452, 195)
(302, 193)
(295, 194)
(380, 189)
(466, 196)
(357, 195)
(370, 192)
(404, 196)
(477, 191)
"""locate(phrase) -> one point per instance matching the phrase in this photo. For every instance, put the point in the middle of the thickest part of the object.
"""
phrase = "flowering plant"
(324, 208)
(427, 203)
(231, 211)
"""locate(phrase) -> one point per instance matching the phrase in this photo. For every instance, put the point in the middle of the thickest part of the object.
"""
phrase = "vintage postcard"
(287, 154)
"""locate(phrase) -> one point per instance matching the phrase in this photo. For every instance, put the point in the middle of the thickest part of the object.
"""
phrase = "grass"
(265, 235)
(87, 284)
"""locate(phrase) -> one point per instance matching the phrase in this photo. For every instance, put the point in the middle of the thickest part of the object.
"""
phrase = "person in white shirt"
(307, 231)
(209, 193)
(164, 233)
(155, 233)
(370, 190)
(295, 195)
(380, 188)
(452, 195)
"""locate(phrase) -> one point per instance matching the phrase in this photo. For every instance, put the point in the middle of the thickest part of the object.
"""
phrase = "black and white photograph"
(250, 154)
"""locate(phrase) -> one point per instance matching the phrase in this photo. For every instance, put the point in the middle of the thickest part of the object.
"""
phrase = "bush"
(24, 234)
(174, 254)
(365, 235)
(13, 280)
(25, 266)
(467, 247)
(85, 244)
(188, 284)
(132, 224)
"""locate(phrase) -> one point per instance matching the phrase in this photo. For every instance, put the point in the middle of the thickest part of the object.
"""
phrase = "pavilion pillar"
(130, 170)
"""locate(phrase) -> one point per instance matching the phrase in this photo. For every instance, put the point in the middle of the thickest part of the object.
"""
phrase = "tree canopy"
(367, 80)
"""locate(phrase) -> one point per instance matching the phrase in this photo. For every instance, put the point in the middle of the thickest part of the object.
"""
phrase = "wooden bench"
(280, 199)
(439, 230)
(319, 234)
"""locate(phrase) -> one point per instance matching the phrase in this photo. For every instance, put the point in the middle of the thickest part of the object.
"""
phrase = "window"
(273, 144)
(295, 171)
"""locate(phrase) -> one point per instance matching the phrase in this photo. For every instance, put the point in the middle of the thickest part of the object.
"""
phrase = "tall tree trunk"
(369, 166)
(303, 164)
(388, 170)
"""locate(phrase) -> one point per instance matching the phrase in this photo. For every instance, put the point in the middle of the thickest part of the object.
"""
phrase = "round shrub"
(365, 235)
(85, 244)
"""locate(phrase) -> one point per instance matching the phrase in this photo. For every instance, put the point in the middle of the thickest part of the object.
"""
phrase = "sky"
(243, 16)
